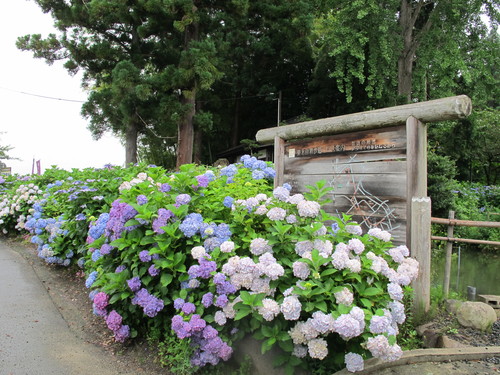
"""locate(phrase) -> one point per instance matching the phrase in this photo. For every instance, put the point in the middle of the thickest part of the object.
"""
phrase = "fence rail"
(451, 222)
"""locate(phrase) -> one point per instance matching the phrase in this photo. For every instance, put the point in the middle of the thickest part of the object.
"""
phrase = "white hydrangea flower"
(318, 348)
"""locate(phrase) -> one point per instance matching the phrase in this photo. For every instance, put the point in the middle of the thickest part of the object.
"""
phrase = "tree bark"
(131, 142)
(185, 129)
(409, 13)
(405, 60)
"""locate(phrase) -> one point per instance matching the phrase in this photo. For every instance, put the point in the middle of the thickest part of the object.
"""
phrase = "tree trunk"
(185, 131)
(131, 142)
(405, 60)
(409, 13)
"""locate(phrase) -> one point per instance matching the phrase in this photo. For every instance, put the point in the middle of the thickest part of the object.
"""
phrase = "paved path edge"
(428, 355)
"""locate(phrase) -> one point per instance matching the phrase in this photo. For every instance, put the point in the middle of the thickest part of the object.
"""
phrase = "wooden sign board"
(366, 169)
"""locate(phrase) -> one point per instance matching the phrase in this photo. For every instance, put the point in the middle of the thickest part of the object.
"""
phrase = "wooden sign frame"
(393, 143)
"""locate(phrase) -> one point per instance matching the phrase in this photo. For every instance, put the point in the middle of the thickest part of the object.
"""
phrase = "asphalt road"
(34, 337)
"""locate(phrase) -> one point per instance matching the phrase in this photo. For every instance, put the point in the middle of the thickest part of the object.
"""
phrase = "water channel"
(476, 269)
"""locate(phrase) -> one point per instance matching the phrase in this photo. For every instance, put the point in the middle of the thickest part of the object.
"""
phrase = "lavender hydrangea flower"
(182, 199)
(220, 318)
(354, 229)
(395, 291)
(120, 268)
(188, 308)
(142, 199)
(144, 256)
(291, 308)
(344, 297)
(380, 234)
(380, 324)
(134, 284)
(281, 193)
(301, 270)
(347, 326)
(269, 309)
(178, 303)
(163, 216)
(356, 246)
(153, 271)
(259, 246)
(207, 299)
(221, 301)
(276, 213)
(379, 347)
(308, 208)
(122, 333)
(203, 180)
(165, 188)
(227, 246)
(354, 362)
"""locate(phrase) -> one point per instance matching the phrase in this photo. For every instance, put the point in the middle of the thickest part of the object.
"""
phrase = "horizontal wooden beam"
(451, 108)
(466, 240)
(466, 223)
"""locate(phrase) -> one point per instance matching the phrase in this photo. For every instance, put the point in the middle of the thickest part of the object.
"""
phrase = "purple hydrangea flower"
(207, 299)
(188, 308)
(114, 321)
(144, 256)
(165, 188)
(178, 303)
(101, 300)
(122, 333)
(163, 216)
(134, 284)
(153, 271)
(203, 180)
(142, 199)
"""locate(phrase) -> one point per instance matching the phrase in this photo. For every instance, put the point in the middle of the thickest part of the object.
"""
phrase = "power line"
(82, 101)
(43, 96)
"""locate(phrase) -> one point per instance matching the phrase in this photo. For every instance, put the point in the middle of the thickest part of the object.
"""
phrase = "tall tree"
(134, 56)
(384, 45)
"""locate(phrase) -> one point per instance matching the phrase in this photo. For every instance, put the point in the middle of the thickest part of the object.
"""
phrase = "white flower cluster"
(13, 205)
(141, 177)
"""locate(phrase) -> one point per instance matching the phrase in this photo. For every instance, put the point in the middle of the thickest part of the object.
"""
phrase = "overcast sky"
(52, 131)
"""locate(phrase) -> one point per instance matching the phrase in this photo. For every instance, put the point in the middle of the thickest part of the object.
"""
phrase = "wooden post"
(449, 249)
(420, 224)
(416, 165)
(279, 160)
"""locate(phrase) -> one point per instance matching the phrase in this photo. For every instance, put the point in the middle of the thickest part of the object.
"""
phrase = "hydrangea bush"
(215, 254)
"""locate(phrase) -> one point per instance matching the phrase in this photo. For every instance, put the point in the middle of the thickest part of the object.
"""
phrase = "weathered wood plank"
(328, 166)
(279, 163)
(392, 138)
(451, 108)
(416, 155)
(365, 184)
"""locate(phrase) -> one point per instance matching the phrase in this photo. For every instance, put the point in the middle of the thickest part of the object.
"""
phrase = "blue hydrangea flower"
(91, 279)
(228, 202)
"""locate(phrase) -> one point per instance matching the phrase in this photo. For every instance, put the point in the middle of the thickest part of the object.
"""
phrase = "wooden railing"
(452, 222)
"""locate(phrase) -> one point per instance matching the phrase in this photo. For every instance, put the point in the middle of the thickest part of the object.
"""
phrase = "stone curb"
(428, 355)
